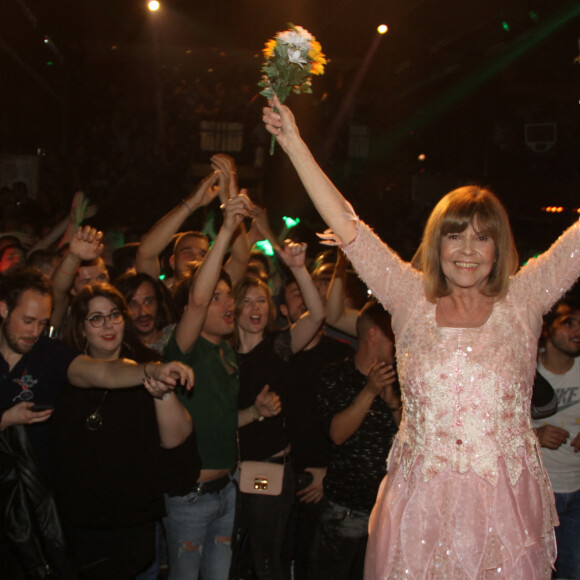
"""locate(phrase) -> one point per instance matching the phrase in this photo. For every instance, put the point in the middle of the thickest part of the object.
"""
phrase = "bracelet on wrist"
(163, 397)
(255, 414)
(187, 206)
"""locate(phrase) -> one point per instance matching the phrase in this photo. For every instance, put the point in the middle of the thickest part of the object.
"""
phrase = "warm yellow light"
(153, 5)
(422, 157)
(382, 29)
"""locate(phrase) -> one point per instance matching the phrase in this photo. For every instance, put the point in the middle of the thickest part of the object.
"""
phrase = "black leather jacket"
(30, 521)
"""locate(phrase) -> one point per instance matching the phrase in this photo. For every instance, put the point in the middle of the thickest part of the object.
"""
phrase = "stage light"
(505, 26)
(382, 29)
(153, 5)
(422, 157)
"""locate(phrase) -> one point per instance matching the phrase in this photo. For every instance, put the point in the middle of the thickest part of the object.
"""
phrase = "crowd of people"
(189, 403)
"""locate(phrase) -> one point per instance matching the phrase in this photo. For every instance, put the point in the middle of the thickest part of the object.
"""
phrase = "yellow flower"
(317, 68)
(315, 54)
(315, 46)
(268, 50)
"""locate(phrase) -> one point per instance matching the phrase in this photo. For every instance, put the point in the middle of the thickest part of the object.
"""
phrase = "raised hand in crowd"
(303, 330)
(157, 238)
(237, 263)
(86, 244)
(66, 228)
(228, 175)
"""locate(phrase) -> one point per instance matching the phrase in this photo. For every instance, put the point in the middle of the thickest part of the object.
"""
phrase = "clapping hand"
(205, 192)
(237, 208)
(381, 375)
(228, 179)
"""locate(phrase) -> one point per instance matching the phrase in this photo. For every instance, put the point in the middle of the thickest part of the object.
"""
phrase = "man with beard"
(147, 308)
(559, 435)
(32, 369)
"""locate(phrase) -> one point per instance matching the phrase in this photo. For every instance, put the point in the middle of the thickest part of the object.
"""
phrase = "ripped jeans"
(199, 532)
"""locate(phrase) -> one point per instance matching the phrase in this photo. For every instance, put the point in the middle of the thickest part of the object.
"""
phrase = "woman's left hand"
(268, 403)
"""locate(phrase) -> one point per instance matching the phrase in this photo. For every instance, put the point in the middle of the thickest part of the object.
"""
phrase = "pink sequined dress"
(466, 494)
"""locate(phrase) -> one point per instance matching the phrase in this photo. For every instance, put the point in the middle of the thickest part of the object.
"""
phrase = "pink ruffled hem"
(459, 526)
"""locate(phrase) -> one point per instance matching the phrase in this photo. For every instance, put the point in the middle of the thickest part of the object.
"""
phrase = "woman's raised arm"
(329, 202)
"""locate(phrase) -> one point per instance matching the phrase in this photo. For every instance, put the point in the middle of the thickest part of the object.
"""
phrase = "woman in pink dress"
(466, 494)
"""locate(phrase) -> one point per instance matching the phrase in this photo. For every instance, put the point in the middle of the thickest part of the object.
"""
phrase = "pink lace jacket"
(466, 391)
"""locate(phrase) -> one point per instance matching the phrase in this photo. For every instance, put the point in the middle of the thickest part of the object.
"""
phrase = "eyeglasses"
(98, 320)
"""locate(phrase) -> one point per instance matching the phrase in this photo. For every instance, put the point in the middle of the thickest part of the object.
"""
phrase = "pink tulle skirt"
(459, 526)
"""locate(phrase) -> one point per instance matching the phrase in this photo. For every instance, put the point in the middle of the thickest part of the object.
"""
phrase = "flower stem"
(273, 139)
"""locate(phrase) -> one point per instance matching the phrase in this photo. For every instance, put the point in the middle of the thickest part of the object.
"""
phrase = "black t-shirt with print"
(36, 377)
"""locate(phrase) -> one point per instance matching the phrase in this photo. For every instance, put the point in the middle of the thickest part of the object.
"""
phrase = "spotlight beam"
(466, 86)
(349, 99)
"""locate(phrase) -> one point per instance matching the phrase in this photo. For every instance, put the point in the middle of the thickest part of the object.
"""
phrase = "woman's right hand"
(281, 124)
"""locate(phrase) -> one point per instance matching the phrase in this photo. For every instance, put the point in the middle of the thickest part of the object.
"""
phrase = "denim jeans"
(265, 517)
(343, 536)
(199, 534)
(568, 535)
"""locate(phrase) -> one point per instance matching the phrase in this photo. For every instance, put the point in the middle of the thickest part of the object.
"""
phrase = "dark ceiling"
(456, 80)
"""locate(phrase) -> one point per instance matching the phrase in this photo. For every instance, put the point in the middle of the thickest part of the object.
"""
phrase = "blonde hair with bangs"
(454, 212)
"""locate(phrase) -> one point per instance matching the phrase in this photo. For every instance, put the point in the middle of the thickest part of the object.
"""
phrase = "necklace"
(94, 421)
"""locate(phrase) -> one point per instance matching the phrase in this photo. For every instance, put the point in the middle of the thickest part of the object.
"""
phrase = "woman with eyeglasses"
(105, 446)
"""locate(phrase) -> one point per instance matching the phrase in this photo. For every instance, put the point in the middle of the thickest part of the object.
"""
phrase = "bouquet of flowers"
(292, 57)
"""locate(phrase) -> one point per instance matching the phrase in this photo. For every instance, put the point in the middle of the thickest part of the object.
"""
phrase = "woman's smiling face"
(467, 259)
(104, 342)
